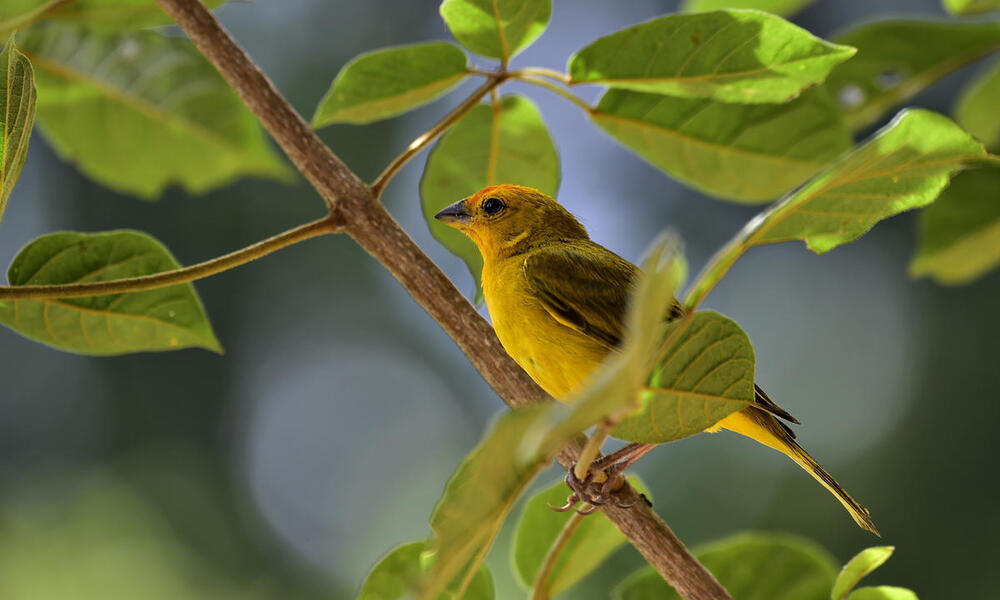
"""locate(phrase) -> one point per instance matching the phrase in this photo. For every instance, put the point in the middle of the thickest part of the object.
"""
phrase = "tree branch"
(367, 221)
(201, 270)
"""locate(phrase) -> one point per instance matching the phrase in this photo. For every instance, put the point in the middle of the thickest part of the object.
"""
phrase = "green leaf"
(970, 7)
(977, 111)
(883, 592)
(742, 152)
(400, 573)
(490, 145)
(862, 564)
(17, 114)
(94, 14)
(783, 8)
(140, 111)
(905, 165)
(706, 373)
(594, 540)
(960, 232)
(730, 56)
(168, 318)
(752, 566)
(391, 81)
(898, 59)
(496, 28)
(479, 496)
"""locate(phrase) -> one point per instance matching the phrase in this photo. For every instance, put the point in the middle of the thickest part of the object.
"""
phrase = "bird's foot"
(605, 482)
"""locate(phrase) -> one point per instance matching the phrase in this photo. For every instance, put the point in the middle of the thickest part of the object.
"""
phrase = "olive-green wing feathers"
(586, 287)
(583, 286)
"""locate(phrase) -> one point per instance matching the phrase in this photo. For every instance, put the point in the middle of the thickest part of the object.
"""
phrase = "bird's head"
(506, 219)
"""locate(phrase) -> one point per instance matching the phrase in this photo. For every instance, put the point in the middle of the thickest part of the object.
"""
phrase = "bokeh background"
(324, 435)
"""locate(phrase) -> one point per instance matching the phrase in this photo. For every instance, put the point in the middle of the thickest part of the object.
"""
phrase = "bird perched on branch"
(558, 301)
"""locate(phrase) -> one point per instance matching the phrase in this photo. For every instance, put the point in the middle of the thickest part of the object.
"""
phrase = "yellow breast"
(558, 358)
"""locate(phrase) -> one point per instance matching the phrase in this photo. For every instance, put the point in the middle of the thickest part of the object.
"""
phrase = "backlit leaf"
(17, 114)
(730, 56)
(751, 566)
(490, 145)
(595, 539)
(970, 7)
(168, 318)
(742, 152)
(94, 14)
(140, 111)
(496, 28)
(862, 564)
(883, 592)
(897, 59)
(978, 109)
(777, 7)
(400, 574)
(960, 232)
(479, 496)
(391, 81)
(706, 374)
(905, 165)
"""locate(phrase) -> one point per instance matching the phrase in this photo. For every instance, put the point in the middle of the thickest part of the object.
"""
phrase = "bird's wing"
(584, 287)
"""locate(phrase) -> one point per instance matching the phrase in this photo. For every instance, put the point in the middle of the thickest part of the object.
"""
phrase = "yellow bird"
(558, 300)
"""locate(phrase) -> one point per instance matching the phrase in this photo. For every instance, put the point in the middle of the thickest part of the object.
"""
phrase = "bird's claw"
(596, 494)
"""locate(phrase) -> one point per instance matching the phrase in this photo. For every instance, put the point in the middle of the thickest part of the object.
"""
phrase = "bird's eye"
(492, 206)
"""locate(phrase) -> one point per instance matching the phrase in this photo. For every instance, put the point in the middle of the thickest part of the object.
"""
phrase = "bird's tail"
(764, 428)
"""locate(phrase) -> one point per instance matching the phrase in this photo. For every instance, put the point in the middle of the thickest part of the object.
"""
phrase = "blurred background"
(324, 435)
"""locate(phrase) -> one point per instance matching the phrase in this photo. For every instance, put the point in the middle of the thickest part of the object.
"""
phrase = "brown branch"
(367, 221)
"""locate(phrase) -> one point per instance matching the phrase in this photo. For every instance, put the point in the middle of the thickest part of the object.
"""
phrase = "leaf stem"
(431, 134)
(590, 452)
(544, 72)
(523, 76)
(323, 226)
(540, 588)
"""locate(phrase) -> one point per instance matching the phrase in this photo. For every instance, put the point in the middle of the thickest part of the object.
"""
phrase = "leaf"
(17, 114)
(883, 592)
(140, 111)
(960, 232)
(479, 496)
(741, 152)
(706, 374)
(94, 14)
(727, 55)
(752, 566)
(970, 7)
(490, 145)
(496, 28)
(905, 165)
(977, 111)
(168, 318)
(783, 8)
(862, 564)
(595, 539)
(391, 81)
(399, 575)
(897, 59)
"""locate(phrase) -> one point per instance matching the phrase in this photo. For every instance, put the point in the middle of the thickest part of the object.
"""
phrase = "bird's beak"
(455, 214)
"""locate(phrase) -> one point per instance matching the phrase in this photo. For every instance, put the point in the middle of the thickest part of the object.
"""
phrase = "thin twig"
(541, 588)
(367, 221)
(543, 72)
(523, 76)
(431, 134)
(590, 452)
(158, 280)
